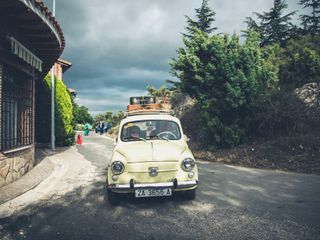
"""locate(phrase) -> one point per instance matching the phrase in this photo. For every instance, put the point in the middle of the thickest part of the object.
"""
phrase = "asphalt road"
(231, 203)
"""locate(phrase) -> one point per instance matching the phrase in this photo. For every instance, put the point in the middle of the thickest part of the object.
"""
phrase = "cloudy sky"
(119, 47)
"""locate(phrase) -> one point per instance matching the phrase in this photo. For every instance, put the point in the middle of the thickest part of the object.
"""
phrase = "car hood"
(152, 151)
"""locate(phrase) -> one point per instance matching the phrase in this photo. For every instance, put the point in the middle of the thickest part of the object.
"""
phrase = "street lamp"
(53, 94)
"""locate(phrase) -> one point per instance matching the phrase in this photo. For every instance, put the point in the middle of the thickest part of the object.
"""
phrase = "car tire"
(113, 197)
(190, 194)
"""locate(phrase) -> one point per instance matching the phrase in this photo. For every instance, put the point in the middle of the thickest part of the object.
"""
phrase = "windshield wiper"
(153, 136)
(158, 137)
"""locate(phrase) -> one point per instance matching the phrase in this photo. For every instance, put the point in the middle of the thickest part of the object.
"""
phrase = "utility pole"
(53, 95)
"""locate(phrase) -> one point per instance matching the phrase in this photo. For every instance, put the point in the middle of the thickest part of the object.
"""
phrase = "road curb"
(28, 181)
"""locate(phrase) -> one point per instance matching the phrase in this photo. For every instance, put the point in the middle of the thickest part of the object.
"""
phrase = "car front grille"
(151, 172)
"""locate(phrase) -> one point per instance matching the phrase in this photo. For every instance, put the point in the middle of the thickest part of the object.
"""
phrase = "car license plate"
(153, 192)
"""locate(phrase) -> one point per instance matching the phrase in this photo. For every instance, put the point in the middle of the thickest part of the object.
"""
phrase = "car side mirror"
(185, 137)
(115, 140)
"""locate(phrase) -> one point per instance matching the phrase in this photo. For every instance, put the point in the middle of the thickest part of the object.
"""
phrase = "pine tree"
(274, 26)
(205, 17)
(224, 77)
(252, 25)
(311, 23)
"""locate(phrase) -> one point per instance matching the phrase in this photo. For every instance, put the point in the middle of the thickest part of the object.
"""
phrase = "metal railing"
(17, 110)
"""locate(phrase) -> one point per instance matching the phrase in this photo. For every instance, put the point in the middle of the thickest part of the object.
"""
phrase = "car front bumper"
(175, 185)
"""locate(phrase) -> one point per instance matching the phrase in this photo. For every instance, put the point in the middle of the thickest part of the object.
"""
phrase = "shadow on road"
(228, 209)
(41, 152)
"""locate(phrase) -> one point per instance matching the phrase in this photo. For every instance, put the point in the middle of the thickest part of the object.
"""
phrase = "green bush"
(225, 77)
(301, 63)
(79, 127)
(286, 113)
(81, 114)
(63, 113)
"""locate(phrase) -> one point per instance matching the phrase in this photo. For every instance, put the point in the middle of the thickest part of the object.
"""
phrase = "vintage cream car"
(151, 158)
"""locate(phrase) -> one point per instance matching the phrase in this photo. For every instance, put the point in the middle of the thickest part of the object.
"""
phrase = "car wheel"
(113, 197)
(190, 194)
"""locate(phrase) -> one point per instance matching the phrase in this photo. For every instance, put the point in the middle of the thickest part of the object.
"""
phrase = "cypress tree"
(274, 26)
(205, 17)
(252, 25)
(311, 23)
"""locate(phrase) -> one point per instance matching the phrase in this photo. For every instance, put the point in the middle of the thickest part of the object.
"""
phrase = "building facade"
(60, 67)
(31, 41)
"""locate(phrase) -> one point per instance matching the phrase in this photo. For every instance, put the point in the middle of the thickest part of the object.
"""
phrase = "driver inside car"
(165, 129)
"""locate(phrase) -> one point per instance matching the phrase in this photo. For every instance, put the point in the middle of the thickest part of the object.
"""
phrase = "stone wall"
(1, 69)
(15, 165)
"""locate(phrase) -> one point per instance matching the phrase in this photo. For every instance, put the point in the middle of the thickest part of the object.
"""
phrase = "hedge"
(64, 125)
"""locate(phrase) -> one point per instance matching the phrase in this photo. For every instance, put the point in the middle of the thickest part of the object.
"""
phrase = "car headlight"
(117, 167)
(188, 164)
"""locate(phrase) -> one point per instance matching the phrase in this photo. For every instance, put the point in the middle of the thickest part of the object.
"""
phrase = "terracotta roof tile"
(53, 20)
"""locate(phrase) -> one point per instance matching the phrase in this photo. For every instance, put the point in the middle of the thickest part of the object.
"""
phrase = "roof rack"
(133, 107)
(148, 112)
(147, 105)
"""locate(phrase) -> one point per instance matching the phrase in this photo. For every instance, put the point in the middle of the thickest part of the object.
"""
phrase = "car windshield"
(150, 130)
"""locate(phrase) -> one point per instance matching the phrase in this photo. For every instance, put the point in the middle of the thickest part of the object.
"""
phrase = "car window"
(150, 130)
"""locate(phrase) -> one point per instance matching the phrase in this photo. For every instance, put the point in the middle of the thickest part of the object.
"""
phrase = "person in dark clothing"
(101, 127)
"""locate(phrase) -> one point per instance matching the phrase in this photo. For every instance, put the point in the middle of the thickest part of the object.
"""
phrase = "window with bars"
(17, 109)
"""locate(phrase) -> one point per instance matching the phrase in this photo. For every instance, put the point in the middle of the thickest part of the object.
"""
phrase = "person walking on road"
(101, 127)
(86, 129)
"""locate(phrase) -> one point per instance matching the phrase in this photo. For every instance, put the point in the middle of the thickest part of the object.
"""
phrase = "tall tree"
(224, 77)
(274, 27)
(204, 19)
(252, 25)
(311, 23)
(82, 115)
(99, 117)
(117, 117)
(158, 93)
(108, 117)
(301, 62)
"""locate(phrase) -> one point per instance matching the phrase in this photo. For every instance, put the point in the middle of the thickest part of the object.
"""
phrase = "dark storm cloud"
(119, 47)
